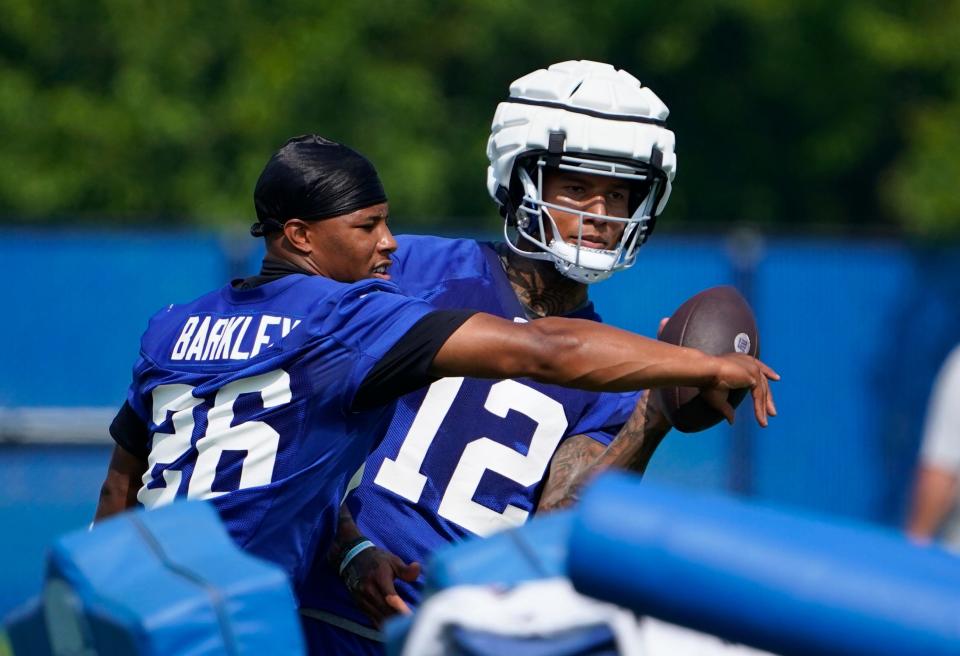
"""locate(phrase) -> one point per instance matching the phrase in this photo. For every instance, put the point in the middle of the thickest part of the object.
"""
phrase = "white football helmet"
(590, 118)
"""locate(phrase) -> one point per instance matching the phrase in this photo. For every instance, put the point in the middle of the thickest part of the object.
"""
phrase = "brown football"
(716, 321)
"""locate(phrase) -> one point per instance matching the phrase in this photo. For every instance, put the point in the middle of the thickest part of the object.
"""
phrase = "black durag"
(313, 178)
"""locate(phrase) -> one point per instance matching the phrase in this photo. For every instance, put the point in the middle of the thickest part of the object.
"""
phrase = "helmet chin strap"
(591, 263)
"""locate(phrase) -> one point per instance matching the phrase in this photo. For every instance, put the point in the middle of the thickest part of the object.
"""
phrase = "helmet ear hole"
(522, 186)
(505, 204)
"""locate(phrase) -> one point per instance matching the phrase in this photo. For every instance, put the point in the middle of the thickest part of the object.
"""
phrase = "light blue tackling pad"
(160, 582)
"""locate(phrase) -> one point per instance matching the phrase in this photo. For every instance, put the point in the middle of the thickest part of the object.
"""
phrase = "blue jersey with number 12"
(465, 456)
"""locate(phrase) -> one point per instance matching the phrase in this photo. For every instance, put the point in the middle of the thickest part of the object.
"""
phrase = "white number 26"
(257, 438)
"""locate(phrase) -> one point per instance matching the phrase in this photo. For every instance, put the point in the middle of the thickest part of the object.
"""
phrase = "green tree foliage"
(786, 113)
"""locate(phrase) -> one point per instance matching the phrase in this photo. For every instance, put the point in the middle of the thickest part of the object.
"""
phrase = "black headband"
(313, 178)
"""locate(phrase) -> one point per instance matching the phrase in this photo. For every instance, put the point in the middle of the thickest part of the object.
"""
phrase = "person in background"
(935, 512)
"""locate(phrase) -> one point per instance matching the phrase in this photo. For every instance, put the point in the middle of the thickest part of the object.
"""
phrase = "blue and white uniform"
(464, 456)
(246, 398)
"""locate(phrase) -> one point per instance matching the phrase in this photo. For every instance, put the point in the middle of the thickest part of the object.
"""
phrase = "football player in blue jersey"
(581, 165)
(266, 395)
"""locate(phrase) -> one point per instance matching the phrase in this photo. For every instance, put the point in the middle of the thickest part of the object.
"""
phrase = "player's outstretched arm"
(589, 355)
(119, 489)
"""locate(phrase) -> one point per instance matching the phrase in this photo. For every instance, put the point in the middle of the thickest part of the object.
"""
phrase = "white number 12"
(402, 475)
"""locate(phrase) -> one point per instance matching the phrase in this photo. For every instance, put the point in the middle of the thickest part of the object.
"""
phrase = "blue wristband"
(350, 555)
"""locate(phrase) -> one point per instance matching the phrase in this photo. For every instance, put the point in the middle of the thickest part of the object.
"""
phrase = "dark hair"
(313, 178)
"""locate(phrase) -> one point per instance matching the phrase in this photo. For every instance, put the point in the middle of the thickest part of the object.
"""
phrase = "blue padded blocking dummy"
(26, 630)
(166, 581)
(535, 550)
(783, 582)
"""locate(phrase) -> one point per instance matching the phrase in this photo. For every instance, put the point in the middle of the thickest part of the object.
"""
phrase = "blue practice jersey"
(247, 398)
(464, 456)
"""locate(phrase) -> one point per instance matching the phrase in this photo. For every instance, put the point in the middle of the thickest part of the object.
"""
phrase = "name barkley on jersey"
(206, 338)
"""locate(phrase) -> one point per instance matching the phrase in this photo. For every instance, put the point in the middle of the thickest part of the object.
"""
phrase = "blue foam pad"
(536, 550)
(167, 581)
(786, 583)
(395, 631)
(27, 630)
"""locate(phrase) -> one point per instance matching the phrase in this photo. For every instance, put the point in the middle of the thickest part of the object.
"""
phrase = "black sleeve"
(406, 365)
(129, 431)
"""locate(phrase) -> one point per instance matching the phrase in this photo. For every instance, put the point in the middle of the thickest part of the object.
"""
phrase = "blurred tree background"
(788, 114)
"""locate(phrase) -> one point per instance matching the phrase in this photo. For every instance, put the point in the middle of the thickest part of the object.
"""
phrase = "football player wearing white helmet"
(581, 165)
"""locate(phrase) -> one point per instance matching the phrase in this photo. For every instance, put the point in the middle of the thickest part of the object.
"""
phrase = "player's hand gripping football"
(370, 575)
(740, 371)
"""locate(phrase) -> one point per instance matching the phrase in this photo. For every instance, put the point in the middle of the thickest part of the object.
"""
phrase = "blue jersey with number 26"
(464, 456)
(247, 396)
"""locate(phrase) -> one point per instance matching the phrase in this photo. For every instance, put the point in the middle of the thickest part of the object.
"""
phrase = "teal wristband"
(350, 555)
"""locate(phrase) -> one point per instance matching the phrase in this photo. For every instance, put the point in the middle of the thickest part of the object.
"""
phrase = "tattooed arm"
(580, 458)
(119, 489)
(370, 574)
(348, 535)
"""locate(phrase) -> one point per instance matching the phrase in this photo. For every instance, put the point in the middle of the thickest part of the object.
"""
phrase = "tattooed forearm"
(641, 435)
(580, 458)
(569, 470)
(347, 535)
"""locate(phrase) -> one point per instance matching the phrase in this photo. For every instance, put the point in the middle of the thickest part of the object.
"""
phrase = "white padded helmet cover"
(581, 86)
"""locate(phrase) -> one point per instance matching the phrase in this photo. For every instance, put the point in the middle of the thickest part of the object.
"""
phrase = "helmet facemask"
(533, 221)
